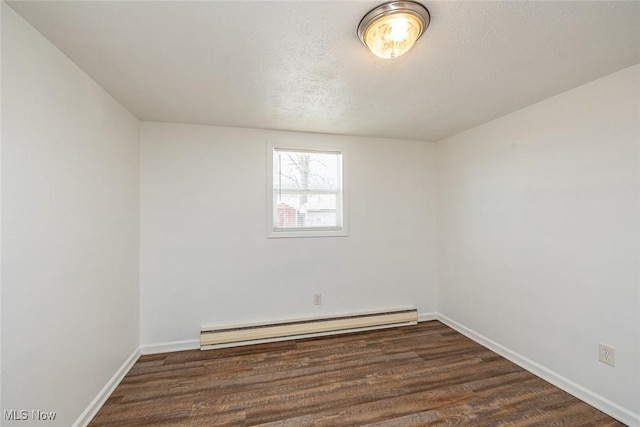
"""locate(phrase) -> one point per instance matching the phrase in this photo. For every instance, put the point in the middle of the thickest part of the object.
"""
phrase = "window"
(306, 192)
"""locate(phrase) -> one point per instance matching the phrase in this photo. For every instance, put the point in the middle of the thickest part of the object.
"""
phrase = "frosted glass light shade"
(391, 29)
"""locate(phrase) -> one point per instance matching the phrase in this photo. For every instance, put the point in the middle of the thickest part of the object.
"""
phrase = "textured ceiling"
(299, 65)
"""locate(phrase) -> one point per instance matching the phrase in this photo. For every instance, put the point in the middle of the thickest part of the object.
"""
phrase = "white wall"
(205, 258)
(70, 295)
(1, 13)
(539, 233)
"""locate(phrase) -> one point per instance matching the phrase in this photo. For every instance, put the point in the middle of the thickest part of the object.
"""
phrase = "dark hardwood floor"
(413, 376)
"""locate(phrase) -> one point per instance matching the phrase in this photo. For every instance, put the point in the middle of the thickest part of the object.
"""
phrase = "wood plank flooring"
(413, 376)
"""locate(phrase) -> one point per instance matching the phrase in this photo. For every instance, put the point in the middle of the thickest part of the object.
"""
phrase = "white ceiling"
(299, 65)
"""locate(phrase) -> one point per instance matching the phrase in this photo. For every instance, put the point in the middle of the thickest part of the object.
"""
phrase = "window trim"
(273, 232)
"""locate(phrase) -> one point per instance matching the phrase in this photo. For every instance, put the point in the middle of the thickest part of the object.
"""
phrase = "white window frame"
(273, 232)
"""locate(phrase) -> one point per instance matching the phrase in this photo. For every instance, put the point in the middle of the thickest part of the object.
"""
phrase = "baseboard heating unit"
(236, 335)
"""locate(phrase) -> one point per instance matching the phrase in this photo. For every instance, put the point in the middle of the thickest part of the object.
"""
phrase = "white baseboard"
(169, 347)
(95, 405)
(425, 317)
(597, 401)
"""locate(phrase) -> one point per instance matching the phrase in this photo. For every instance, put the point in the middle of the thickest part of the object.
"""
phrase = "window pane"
(307, 188)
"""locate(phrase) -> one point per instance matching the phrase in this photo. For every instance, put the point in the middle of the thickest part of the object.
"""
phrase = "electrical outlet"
(317, 299)
(607, 354)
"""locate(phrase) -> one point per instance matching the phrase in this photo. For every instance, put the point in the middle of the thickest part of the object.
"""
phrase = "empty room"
(336, 213)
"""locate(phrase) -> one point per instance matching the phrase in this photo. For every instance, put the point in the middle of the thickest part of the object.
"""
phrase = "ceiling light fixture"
(391, 29)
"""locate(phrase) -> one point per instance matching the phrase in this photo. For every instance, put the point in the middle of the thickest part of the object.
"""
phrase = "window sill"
(277, 234)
